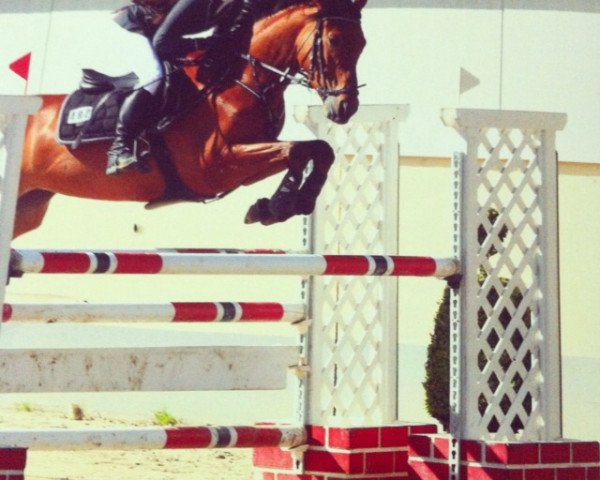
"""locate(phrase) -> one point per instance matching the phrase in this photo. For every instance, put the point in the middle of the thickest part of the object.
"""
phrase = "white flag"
(467, 81)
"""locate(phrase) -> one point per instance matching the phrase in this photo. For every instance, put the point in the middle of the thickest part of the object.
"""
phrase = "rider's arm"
(186, 16)
(232, 20)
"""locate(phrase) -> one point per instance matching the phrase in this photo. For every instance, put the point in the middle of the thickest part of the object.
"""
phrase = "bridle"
(303, 77)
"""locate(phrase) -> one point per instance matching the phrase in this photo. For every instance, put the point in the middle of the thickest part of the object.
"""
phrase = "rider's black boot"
(137, 113)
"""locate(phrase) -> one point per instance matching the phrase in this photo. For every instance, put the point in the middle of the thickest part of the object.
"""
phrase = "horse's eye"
(334, 40)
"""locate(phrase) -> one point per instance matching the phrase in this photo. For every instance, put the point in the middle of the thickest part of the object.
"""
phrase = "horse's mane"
(346, 8)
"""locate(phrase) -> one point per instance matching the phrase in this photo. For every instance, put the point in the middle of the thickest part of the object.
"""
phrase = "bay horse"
(230, 138)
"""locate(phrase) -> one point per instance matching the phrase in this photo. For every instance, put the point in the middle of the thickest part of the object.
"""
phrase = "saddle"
(91, 112)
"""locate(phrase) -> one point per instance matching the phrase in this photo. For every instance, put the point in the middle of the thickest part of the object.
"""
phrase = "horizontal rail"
(229, 251)
(154, 312)
(155, 262)
(214, 363)
(143, 438)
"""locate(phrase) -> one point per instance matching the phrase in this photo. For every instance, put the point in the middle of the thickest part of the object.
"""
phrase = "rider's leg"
(135, 116)
(138, 111)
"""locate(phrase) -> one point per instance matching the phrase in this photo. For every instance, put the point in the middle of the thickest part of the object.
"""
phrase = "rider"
(163, 24)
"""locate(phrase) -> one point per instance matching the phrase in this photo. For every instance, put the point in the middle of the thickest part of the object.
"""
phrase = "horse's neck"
(276, 37)
(275, 42)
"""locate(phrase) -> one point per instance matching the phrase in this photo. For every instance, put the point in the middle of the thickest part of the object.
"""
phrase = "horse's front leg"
(320, 158)
(307, 165)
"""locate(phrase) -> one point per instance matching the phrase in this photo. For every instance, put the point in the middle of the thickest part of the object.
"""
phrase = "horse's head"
(328, 51)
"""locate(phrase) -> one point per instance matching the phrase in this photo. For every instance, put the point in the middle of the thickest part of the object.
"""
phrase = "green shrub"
(437, 371)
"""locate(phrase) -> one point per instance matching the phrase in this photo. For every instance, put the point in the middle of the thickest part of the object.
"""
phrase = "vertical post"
(550, 286)
(390, 243)
(455, 325)
(509, 377)
(14, 110)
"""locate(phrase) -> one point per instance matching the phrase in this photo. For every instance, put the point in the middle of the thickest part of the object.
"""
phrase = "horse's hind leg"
(31, 209)
(308, 164)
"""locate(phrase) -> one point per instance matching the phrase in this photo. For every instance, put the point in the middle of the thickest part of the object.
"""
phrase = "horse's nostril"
(344, 107)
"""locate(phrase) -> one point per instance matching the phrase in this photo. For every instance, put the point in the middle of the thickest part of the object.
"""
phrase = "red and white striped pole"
(143, 438)
(155, 262)
(154, 312)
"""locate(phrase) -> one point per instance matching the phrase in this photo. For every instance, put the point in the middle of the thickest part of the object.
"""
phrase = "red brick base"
(12, 463)
(560, 460)
(366, 453)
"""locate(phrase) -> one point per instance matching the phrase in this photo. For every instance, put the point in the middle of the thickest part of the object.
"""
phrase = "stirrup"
(117, 164)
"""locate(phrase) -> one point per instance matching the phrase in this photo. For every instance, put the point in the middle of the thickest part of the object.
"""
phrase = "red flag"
(21, 66)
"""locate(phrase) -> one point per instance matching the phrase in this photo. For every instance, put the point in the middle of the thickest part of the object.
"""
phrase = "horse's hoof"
(283, 205)
(269, 221)
(258, 212)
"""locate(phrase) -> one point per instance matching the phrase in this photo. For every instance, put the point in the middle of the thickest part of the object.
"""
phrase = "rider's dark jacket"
(232, 20)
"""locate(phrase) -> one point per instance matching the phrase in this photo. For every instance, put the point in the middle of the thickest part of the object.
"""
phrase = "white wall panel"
(414, 56)
(552, 62)
(75, 42)
(23, 29)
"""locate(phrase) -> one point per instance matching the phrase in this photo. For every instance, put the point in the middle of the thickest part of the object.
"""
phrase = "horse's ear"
(359, 3)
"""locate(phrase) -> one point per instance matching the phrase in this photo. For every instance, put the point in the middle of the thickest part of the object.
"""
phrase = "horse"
(229, 139)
